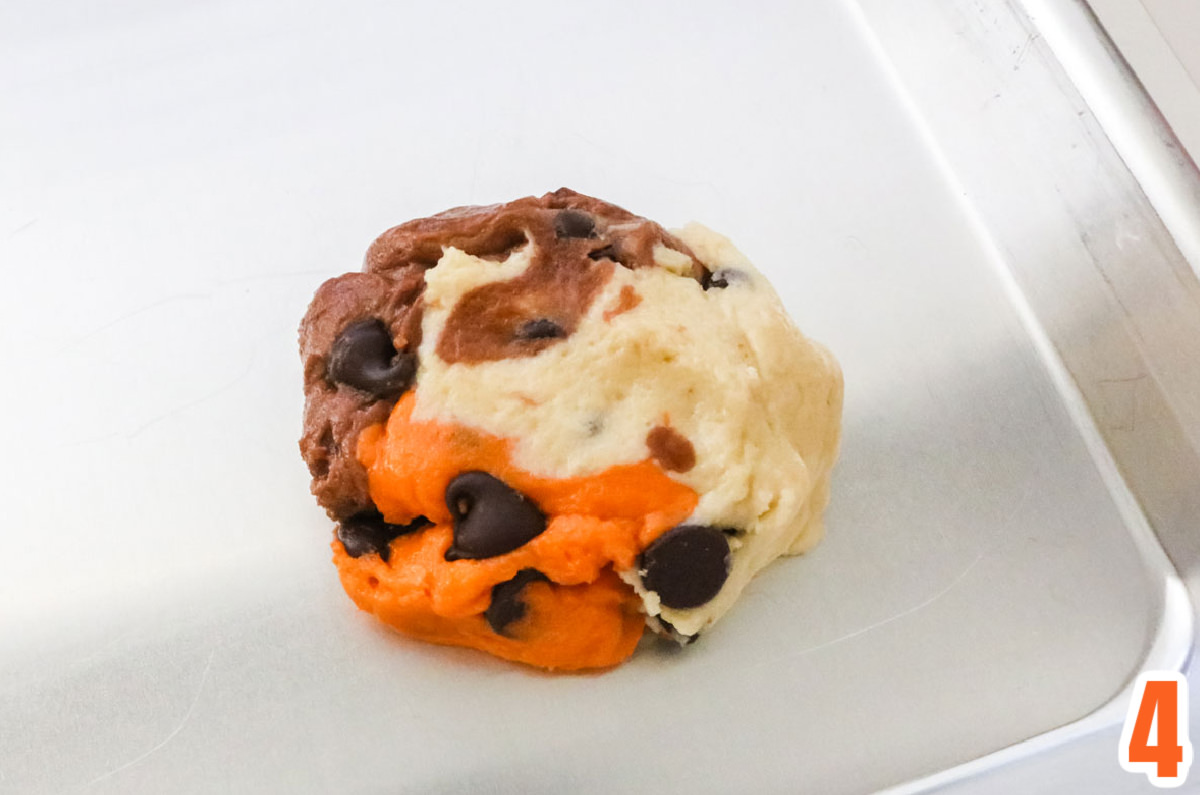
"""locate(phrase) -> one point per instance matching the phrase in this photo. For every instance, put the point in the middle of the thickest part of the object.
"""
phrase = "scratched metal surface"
(176, 182)
(1093, 206)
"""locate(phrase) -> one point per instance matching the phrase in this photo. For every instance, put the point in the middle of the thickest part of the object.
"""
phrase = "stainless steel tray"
(927, 186)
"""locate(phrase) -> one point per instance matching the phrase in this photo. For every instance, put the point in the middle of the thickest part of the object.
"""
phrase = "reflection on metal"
(1089, 207)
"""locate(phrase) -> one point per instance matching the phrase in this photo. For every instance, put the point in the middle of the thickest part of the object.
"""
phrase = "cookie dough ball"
(544, 425)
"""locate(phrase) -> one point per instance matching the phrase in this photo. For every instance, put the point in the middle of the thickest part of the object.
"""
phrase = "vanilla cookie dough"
(544, 425)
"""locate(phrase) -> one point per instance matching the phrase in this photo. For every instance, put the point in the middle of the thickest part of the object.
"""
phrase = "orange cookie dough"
(581, 616)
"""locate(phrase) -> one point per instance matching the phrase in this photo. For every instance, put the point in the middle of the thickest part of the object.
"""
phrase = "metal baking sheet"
(178, 179)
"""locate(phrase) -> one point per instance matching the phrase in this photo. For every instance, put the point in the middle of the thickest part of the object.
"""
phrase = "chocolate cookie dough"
(544, 425)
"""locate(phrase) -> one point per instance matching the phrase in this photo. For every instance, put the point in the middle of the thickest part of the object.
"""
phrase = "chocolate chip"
(574, 223)
(686, 566)
(541, 329)
(507, 606)
(667, 630)
(366, 532)
(723, 277)
(490, 517)
(608, 252)
(364, 357)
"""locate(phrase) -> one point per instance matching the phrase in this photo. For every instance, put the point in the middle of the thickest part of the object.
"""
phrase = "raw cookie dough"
(544, 425)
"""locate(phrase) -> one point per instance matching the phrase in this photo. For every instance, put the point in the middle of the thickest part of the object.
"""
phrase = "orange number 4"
(1160, 701)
